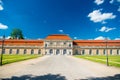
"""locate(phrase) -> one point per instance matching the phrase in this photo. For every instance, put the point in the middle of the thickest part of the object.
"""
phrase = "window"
(117, 51)
(32, 51)
(10, 51)
(76, 51)
(39, 51)
(83, 52)
(64, 51)
(97, 52)
(50, 51)
(25, 51)
(104, 51)
(57, 51)
(64, 43)
(90, 51)
(3, 51)
(17, 52)
(110, 51)
(45, 45)
(70, 45)
(45, 52)
(70, 52)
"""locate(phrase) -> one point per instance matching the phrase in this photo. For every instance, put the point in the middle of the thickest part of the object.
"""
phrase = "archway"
(57, 51)
(64, 51)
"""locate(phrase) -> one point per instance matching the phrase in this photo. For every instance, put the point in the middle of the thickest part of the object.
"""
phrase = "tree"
(16, 34)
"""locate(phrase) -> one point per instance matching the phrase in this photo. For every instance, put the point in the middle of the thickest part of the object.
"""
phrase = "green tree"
(16, 34)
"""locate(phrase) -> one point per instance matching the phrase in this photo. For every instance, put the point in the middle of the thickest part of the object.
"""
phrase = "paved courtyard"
(58, 67)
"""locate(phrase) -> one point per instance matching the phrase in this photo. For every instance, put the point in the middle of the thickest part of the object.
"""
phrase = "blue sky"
(81, 19)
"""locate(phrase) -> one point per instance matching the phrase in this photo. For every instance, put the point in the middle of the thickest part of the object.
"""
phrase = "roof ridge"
(58, 36)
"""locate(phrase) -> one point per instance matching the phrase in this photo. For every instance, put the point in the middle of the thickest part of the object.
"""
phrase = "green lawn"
(114, 60)
(16, 57)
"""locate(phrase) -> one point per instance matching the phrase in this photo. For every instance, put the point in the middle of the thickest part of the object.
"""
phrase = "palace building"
(61, 44)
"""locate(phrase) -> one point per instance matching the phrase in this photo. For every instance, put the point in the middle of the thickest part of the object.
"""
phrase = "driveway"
(58, 67)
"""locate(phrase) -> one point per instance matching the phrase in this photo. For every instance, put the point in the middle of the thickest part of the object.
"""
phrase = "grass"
(17, 57)
(114, 60)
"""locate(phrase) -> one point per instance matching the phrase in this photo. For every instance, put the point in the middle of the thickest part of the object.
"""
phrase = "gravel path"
(58, 67)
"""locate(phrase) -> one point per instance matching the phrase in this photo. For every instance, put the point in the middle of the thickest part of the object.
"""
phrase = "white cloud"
(102, 38)
(118, 9)
(111, 1)
(6, 37)
(97, 16)
(1, 7)
(118, 0)
(103, 29)
(2, 26)
(75, 37)
(39, 39)
(0, 1)
(98, 2)
(106, 29)
(117, 39)
(104, 22)
(61, 31)
(1, 37)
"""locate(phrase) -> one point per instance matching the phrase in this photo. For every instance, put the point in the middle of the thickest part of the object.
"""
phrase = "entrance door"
(57, 51)
(64, 51)
(51, 51)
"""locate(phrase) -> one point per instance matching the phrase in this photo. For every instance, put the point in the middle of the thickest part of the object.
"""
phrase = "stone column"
(61, 51)
(54, 51)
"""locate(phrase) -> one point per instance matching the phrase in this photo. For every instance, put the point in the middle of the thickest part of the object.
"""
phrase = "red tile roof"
(62, 37)
(96, 42)
(23, 42)
(58, 37)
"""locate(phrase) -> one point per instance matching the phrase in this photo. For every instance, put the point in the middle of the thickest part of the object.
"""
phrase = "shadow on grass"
(115, 77)
(41, 77)
(59, 77)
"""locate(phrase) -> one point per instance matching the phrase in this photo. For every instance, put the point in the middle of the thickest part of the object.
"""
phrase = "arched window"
(76, 51)
(3, 51)
(50, 51)
(97, 52)
(70, 52)
(64, 51)
(90, 51)
(57, 51)
(104, 51)
(110, 51)
(10, 51)
(17, 52)
(25, 51)
(117, 51)
(32, 51)
(83, 52)
(39, 51)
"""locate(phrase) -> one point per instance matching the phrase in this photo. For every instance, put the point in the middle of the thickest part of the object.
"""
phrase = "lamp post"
(107, 60)
(2, 50)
